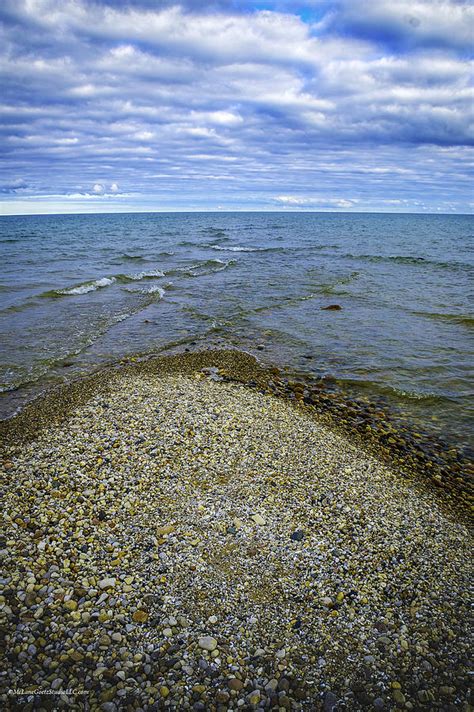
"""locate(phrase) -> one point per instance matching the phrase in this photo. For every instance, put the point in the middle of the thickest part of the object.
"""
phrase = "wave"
(153, 289)
(411, 260)
(334, 287)
(239, 248)
(84, 288)
(463, 319)
(188, 243)
(149, 274)
(214, 231)
(127, 257)
(134, 258)
(199, 269)
(286, 302)
(94, 285)
(375, 387)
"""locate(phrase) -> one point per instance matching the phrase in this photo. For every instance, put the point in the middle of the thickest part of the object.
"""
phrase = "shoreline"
(417, 454)
(180, 538)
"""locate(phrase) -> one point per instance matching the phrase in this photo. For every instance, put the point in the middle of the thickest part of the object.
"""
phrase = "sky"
(316, 105)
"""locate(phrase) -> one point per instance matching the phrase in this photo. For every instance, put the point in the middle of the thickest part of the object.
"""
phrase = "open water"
(79, 291)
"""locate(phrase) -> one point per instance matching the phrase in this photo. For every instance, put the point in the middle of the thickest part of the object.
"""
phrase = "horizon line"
(221, 212)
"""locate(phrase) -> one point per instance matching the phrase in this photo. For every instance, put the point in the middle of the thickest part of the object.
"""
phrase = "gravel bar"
(178, 542)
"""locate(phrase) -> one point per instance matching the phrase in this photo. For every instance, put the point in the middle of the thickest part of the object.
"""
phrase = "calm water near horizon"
(78, 291)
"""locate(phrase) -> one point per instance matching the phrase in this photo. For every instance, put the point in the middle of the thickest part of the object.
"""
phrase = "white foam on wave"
(88, 286)
(154, 289)
(201, 271)
(237, 248)
(150, 274)
(185, 269)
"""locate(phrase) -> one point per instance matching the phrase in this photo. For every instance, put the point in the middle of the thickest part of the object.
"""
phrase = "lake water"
(78, 291)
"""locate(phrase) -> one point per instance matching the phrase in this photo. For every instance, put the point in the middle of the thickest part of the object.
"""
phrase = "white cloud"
(255, 104)
(298, 201)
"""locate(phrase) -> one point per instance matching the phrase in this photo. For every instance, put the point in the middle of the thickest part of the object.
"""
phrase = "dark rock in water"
(308, 357)
(297, 536)
(332, 307)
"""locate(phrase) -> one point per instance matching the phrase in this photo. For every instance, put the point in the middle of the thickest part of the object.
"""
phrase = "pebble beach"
(178, 540)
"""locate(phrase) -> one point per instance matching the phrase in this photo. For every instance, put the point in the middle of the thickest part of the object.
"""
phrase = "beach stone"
(399, 697)
(271, 686)
(140, 616)
(259, 520)
(329, 702)
(166, 529)
(207, 643)
(181, 451)
(107, 583)
(254, 697)
(297, 535)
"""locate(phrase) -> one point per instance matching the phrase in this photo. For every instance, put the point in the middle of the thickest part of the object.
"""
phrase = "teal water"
(78, 291)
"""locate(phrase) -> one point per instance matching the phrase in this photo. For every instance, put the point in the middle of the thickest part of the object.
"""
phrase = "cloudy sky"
(236, 105)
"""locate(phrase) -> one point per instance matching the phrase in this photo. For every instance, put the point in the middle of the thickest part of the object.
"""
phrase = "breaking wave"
(154, 289)
(240, 248)
(149, 274)
(84, 288)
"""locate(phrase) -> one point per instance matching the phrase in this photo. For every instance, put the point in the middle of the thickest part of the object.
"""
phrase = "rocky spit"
(180, 542)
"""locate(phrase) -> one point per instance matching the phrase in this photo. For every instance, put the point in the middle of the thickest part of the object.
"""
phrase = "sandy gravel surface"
(183, 543)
